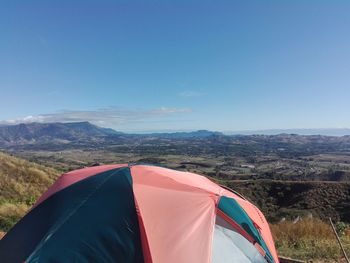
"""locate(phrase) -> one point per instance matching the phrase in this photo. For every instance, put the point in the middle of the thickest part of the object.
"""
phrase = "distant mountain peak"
(191, 134)
(35, 132)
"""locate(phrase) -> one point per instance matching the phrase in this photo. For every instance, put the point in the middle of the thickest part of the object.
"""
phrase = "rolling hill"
(78, 134)
(290, 199)
(32, 133)
(21, 183)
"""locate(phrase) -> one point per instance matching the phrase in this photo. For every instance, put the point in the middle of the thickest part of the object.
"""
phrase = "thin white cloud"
(109, 117)
(190, 93)
(163, 110)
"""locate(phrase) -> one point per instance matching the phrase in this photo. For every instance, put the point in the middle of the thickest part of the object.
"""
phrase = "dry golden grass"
(21, 180)
(309, 240)
(21, 183)
(8, 209)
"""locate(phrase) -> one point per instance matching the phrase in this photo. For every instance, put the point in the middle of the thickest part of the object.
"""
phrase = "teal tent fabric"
(232, 209)
(93, 220)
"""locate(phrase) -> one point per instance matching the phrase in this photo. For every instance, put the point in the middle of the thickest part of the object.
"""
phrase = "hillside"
(186, 135)
(39, 133)
(86, 136)
(82, 135)
(21, 183)
(286, 199)
(311, 240)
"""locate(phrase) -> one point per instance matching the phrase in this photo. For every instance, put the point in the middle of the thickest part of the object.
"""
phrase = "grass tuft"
(310, 239)
(21, 183)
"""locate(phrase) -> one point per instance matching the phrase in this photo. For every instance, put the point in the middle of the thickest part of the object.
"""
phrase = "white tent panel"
(231, 247)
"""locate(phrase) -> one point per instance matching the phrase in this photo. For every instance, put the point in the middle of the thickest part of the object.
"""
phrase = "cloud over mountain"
(104, 117)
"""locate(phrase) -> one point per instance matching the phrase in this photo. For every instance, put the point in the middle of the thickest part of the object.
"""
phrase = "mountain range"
(324, 132)
(86, 135)
(51, 132)
(40, 133)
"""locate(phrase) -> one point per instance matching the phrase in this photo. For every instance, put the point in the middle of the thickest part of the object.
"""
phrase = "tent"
(139, 213)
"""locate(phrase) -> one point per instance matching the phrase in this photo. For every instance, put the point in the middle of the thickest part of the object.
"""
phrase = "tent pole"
(340, 244)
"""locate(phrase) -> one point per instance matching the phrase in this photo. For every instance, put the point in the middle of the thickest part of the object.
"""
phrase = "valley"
(289, 177)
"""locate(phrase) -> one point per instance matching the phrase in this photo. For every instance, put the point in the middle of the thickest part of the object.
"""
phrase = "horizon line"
(267, 131)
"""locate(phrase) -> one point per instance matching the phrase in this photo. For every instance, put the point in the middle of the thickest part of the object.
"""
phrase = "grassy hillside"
(311, 240)
(306, 202)
(21, 183)
(288, 199)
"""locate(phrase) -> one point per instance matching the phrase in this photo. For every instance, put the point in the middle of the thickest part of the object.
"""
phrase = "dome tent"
(139, 213)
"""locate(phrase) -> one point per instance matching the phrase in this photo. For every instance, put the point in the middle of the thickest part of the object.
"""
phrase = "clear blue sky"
(177, 65)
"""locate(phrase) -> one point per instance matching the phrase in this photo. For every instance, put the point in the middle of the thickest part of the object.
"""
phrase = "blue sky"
(176, 65)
